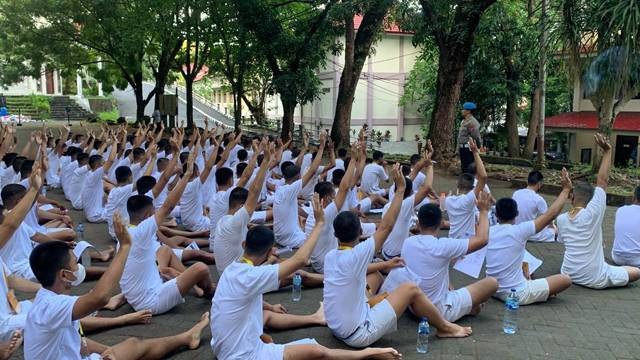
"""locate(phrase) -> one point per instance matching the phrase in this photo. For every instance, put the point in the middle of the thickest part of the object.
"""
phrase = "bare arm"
(248, 171)
(23, 285)
(481, 172)
(316, 162)
(545, 219)
(176, 193)
(256, 185)
(390, 217)
(13, 219)
(605, 164)
(481, 238)
(345, 183)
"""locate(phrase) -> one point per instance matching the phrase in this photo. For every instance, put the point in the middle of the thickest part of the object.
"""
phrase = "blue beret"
(469, 106)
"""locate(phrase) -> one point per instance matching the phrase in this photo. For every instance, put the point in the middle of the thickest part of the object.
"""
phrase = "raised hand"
(565, 180)
(398, 178)
(35, 180)
(318, 211)
(121, 230)
(484, 201)
(602, 142)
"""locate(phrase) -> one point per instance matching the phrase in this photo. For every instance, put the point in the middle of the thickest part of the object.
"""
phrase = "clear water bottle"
(43, 190)
(511, 305)
(296, 294)
(422, 345)
(80, 232)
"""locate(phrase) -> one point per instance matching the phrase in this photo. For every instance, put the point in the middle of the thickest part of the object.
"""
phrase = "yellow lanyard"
(80, 329)
(345, 248)
(246, 261)
(574, 211)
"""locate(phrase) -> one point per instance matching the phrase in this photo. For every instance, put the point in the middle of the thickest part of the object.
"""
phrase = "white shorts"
(167, 297)
(294, 240)
(615, 276)
(381, 320)
(365, 205)
(368, 229)
(54, 230)
(259, 217)
(269, 352)
(626, 260)
(534, 291)
(457, 303)
(14, 322)
(178, 253)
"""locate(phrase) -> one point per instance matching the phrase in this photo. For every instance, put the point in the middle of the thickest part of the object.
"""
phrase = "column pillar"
(78, 84)
(100, 92)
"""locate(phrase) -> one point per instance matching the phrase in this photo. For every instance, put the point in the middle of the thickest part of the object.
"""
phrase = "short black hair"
(17, 163)
(535, 177)
(405, 170)
(242, 155)
(583, 191)
(138, 153)
(471, 169)
(336, 176)
(9, 158)
(184, 156)
(11, 191)
(83, 158)
(47, 259)
(223, 176)
(162, 144)
(26, 168)
(123, 173)
(161, 161)
(285, 165)
(506, 209)
(238, 196)
(138, 203)
(429, 216)
(346, 227)
(259, 241)
(240, 168)
(378, 155)
(342, 152)
(323, 189)
(94, 159)
(291, 172)
(465, 182)
(414, 159)
(408, 189)
(145, 183)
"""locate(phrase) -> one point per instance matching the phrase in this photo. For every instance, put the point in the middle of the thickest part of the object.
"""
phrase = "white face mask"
(79, 274)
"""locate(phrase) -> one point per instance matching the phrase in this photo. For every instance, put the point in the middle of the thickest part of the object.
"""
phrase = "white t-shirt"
(345, 282)
(218, 207)
(582, 238)
(326, 241)
(418, 181)
(462, 217)
(17, 250)
(400, 232)
(92, 193)
(117, 200)
(626, 240)
(230, 233)
(339, 165)
(428, 258)
(76, 183)
(530, 205)
(307, 191)
(140, 278)
(505, 253)
(236, 310)
(50, 331)
(67, 173)
(285, 213)
(371, 176)
(191, 209)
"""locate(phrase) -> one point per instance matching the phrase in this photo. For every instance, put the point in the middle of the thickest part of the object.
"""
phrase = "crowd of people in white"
(177, 201)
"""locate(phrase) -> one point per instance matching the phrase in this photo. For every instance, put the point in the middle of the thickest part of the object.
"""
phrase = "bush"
(109, 116)
(41, 104)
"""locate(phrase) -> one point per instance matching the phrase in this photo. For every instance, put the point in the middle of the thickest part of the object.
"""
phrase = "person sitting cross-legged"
(626, 239)
(531, 205)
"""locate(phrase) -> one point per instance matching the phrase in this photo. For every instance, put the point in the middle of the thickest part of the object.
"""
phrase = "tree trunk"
(188, 82)
(448, 89)
(513, 140)
(288, 108)
(160, 83)
(237, 108)
(346, 89)
(542, 82)
(138, 90)
(534, 119)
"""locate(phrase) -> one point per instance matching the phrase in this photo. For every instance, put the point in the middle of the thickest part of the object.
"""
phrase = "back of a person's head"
(405, 170)
(465, 182)
(336, 176)
(324, 189)
(259, 241)
(346, 227)
(73, 151)
(138, 153)
(47, 259)
(242, 155)
(17, 163)
(137, 204)
(224, 176)
(472, 170)
(285, 165)
(295, 152)
(583, 192)
(506, 209)
(97, 144)
(145, 184)
(123, 174)
(195, 169)
(237, 197)
(26, 168)
(11, 194)
(94, 160)
(83, 158)
(637, 194)
(291, 172)
(535, 177)
(408, 189)
(163, 144)
(414, 159)
(378, 155)
(184, 156)
(342, 153)
(162, 163)
(259, 159)
(240, 169)
(9, 158)
(429, 216)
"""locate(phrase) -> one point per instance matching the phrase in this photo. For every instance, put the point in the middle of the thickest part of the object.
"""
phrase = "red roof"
(388, 28)
(625, 121)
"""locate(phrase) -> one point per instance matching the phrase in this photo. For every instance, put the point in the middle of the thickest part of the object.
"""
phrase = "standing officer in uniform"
(469, 128)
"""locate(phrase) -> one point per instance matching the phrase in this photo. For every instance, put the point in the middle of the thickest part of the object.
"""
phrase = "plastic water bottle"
(511, 305)
(80, 232)
(296, 294)
(422, 345)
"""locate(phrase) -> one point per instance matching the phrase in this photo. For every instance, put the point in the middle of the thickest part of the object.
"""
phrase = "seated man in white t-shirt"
(237, 316)
(373, 174)
(427, 259)
(356, 316)
(507, 247)
(626, 237)
(531, 205)
(53, 329)
(93, 189)
(76, 181)
(580, 230)
(285, 204)
(462, 207)
(141, 283)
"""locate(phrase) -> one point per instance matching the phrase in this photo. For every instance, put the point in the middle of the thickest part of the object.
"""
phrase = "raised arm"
(316, 162)
(545, 219)
(304, 150)
(258, 181)
(426, 187)
(98, 297)
(251, 165)
(112, 156)
(362, 162)
(481, 172)
(605, 164)
(345, 183)
(14, 218)
(481, 238)
(168, 172)
(300, 258)
(176, 193)
(390, 217)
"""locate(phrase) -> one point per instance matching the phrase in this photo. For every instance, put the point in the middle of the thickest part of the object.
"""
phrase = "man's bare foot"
(198, 290)
(454, 331)
(381, 353)
(196, 330)
(8, 348)
(318, 316)
(139, 317)
(106, 255)
(115, 302)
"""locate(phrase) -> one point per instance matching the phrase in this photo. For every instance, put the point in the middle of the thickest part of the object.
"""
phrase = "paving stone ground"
(579, 324)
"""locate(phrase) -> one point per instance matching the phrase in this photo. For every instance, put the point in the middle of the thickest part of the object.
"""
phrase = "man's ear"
(244, 245)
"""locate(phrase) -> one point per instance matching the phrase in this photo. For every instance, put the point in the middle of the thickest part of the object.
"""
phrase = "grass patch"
(109, 116)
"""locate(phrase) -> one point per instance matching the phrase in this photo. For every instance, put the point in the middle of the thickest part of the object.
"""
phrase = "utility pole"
(542, 80)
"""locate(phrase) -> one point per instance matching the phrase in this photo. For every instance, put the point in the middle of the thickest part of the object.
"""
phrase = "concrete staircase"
(59, 105)
(22, 105)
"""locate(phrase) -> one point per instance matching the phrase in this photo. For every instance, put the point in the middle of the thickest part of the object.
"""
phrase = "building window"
(585, 156)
